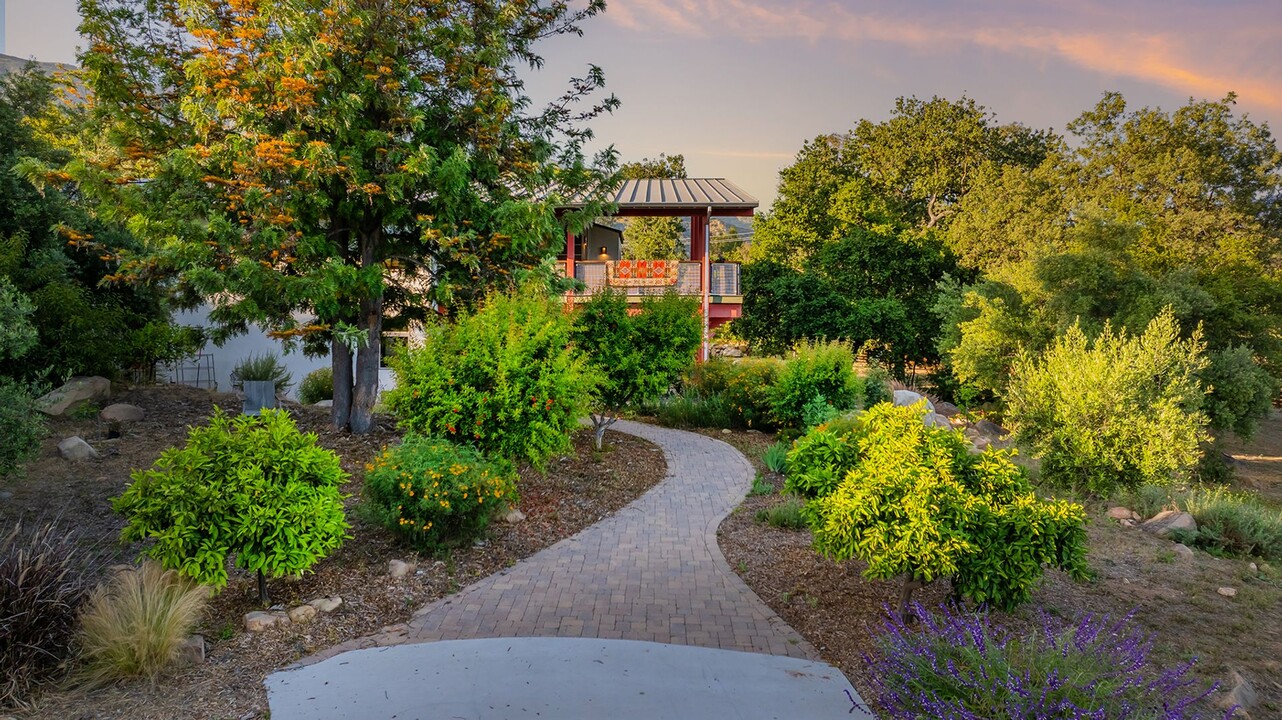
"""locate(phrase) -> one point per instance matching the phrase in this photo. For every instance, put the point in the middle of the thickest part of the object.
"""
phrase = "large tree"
(653, 238)
(854, 247)
(339, 160)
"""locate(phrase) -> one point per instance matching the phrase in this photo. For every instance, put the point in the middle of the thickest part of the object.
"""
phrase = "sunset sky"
(738, 85)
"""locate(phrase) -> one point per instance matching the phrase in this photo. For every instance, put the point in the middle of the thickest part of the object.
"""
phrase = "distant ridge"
(9, 63)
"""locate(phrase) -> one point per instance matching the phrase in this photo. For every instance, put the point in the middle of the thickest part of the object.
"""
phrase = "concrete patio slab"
(560, 679)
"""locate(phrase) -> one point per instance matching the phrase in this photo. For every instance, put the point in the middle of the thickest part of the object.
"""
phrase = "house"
(699, 200)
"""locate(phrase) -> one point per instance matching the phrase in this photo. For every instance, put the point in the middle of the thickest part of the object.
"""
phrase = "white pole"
(704, 232)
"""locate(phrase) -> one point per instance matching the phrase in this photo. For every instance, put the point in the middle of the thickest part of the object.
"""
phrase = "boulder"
(513, 516)
(1169, 521)
(947, 409)
(323, 404)
(301, 614)
(78, 392)
(400, 568)
(936, 420)
(260, 620)
(1122, 513)
(74, 448)
(326, 604)
(906, 398)
(1240, 693)
(122, 413)
(1183, 552)
(990, 429)
(1227, 592)
(191, 651)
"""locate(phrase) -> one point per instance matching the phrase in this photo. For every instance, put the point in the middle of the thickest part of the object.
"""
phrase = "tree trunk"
(341, 364)
(365, 388)
(906, 596)
(599, 424)
(262, 589)
(365, 385)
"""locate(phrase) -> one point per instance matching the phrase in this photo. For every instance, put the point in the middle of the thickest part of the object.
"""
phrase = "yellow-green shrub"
(437, 494)
(918, 504)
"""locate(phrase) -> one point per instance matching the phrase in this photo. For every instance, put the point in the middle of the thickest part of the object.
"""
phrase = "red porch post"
(699, 251)
(569, 260)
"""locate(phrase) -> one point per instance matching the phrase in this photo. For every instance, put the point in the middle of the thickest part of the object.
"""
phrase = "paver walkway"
(652, 572)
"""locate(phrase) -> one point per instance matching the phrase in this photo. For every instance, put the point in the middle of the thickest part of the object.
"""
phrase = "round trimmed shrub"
(822, 371)
(316, 386)
(249, 486)
(436, 494)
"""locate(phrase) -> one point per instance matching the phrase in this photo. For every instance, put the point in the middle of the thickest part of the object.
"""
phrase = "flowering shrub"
(747, 391)
(506, 380)
(917, 504)
(962, 667)
(437, 494)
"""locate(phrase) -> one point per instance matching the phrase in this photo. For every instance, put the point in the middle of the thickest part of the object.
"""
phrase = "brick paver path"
(652, 571)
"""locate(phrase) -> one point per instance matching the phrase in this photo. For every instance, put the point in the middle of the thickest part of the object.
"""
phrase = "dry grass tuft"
(134, 623)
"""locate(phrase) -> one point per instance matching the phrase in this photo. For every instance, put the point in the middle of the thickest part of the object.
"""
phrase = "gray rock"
(301, 614)
(191, 651)
(947, 409)
(74, 448)
(78, 392)
(326, 604)
(907, 398)
(991, 429)
(260, 620)
(1252, 567)
(400, 568)
(1183, 552)
(1169, 521)
(122, 413)
(1123, 513)
(323, 404)
(513, 516)
(1241, 692)
(1227, 592)
(936, 420)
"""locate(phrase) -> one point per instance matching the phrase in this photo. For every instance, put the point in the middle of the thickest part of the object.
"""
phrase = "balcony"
(723, 283)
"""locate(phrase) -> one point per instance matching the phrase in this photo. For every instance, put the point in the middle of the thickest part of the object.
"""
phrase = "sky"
(737, 86)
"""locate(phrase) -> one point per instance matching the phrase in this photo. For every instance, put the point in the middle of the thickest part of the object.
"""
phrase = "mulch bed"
(841, 613)
(575, 492)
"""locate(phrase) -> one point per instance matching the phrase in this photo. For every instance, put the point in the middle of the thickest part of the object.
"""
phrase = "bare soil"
(1177, 601)
(575, 492)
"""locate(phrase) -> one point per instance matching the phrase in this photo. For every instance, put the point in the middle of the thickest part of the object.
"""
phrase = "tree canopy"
(341, 161)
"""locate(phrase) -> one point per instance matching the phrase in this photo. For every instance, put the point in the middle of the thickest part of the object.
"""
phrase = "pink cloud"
(1204, 51)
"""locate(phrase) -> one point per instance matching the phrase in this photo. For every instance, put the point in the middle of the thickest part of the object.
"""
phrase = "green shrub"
(22, 426)
(1243, 391)
(316, 386)
(41, 590)
(134, 624)
(252, 487)
(776, 457)
(639, 356)
(505, 380)
(17, 334)
(918, 504)
(748, 389)
(1119, 411)
(264, 368)
(1234, 524)
(877, 386)
(787, 515)
(820, 459)
(437, 494)
(814, 370)
(817, 412)
(710, 377)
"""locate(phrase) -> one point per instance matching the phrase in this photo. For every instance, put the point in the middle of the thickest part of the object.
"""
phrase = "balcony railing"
(724, 279)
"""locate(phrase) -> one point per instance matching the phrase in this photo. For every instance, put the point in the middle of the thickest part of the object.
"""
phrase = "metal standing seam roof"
(682, 194)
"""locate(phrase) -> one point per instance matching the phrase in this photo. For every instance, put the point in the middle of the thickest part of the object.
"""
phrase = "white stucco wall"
(256, 342)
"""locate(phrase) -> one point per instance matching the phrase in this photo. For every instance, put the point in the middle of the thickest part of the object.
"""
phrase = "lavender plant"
(957, 666)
